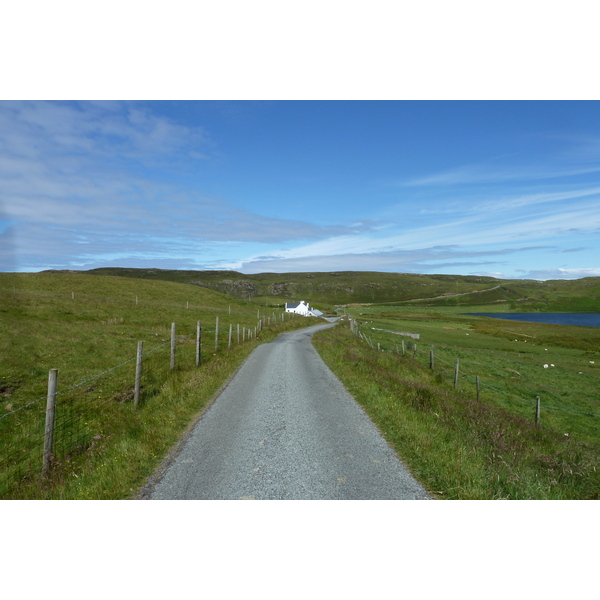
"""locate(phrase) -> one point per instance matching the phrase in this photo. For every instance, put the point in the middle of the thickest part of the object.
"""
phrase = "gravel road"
(285, 428)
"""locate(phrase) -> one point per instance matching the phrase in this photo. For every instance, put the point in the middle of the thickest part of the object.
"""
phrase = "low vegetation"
(461, 448)
(83, 326)
(326, 290)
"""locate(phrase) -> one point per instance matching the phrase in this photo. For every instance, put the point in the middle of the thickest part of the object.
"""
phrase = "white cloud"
(478, 174)
(64, 186)
(432, 259)
(546, 274)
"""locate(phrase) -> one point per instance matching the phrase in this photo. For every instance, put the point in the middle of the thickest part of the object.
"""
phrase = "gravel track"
(285, 428)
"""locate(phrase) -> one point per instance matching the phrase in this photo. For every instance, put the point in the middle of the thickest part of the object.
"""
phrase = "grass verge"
(457, 447)
(104, 448)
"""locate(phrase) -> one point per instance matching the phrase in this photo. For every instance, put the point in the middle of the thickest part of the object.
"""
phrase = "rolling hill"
(326, 290)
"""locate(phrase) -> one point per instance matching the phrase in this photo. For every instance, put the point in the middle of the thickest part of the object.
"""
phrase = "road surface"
(285, 428)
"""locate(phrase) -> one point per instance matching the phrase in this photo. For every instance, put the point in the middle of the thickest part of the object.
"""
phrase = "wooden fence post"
(403, 348)
(537, 410)
(173, 342)
(238, 333)
(217, 334)
(138, 374)
(230, 333)
(49, 429)
(198, 344)
(456, 375)
(431, 359)
(415, 351)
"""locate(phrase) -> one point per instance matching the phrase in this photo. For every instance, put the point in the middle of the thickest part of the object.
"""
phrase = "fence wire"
(86, 410)
(411, 347)
(82, 413)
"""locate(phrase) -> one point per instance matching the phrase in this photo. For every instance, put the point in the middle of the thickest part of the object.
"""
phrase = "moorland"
(458, 442)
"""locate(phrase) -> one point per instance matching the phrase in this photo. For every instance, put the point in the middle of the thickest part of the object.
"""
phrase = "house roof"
(292, 304)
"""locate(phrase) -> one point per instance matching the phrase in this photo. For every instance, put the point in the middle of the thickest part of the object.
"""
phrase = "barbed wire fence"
(453, 371)
(49, 430)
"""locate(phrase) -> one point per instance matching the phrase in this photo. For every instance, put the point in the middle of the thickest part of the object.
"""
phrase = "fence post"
(198, 344)
(403, 348)
(456, 375)
(138, 374)
(431, 359)
(537, 410)
(238, 333)
(173, 342)
(477, 386)
(49, 429)
(230, 333)
(415, 351)
(217, 334)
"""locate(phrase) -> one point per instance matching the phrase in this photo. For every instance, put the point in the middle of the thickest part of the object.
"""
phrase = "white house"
(301, 308)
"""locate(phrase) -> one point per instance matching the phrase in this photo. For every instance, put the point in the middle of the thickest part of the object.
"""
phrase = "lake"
(581, 319)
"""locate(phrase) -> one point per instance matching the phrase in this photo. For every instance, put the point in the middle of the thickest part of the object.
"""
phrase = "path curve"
(286, 428)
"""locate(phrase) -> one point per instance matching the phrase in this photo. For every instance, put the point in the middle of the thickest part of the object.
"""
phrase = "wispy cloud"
(546, 274)
(90, 183)
(418, 260)
(578, 155)
(66, 194)
(478, 174)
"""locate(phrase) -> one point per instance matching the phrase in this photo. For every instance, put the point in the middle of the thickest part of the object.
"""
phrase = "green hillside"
(326, 290)
(88, 328)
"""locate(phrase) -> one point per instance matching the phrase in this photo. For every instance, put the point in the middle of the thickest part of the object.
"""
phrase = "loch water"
(581, 319)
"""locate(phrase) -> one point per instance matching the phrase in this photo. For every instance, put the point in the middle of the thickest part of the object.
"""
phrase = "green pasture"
(88, 327)
(457, 446)
(508, 357)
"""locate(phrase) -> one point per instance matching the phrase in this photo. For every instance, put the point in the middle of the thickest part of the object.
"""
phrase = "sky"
(509, 189)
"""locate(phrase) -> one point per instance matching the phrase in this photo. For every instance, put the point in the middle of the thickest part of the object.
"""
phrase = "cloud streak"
(85, 184)
(418, 260)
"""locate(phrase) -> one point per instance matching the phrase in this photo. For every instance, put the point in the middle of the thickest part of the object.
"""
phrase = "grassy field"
(461, 448)
(325, 290)
(84, 326)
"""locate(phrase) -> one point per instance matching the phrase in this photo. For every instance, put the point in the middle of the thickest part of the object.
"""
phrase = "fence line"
(355, 329)
(27, 449)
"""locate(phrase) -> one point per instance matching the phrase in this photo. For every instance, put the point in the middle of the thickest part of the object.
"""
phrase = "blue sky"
(502, 188)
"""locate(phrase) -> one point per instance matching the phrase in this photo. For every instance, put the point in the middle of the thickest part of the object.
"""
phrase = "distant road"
(451, 295)
(285, 428)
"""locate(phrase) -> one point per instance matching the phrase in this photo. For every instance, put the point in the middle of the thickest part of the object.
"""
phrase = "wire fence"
(83, 412)
(452, 369)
